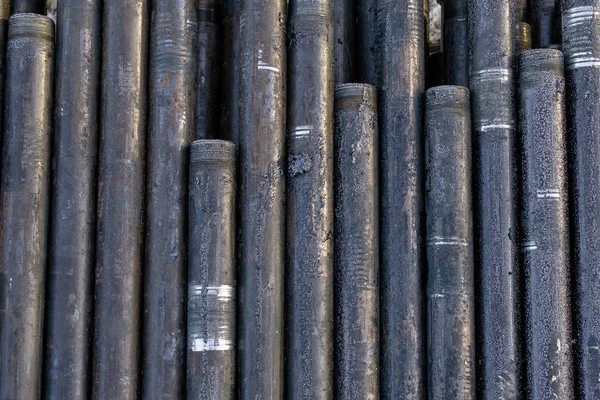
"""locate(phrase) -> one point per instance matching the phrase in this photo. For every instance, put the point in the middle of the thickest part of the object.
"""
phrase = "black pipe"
(230, 72)
(492, 84)
(262, 195)
(356, 243)
(211, 279)
(28, 6)
(401, 96)
(309, 368)
(73, 219)
(435, 70)
(344, 40)
(545, 225)
(172, 74)
(207, 77)
(523, 42)
(119, 243)
(450, 284)
(367, 46)
(24, 188)
(455, 38)
(581, 46)
(544, 18)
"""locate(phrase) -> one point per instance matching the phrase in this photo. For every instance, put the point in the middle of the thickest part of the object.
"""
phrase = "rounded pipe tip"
(352, 95)
(212, 151)
(541, 60)
(31, 25)
(447, 96)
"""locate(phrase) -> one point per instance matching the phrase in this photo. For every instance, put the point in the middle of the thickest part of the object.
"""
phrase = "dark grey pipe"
(581, 46)
(455, 38)
(401, 97)
(230, 72)
(211, 280)
(4, 16)
(344, 40)
(492, 84)
(73, 219)
(367, 46)
(262, 195)
(450, 283)
(545, 225)
(24, 188)
(121, 187)
(172, 74)
(544, 18)
(28, 6)
(356, 243)
(309, 368)
(207, 77)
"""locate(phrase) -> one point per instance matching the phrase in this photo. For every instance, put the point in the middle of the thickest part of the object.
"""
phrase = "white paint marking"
(548, 194)
(264, 65)
(200, 345)
(300, 131)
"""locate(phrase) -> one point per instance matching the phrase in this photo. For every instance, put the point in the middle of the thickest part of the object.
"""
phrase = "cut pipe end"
(31, 25)
(447, 96)
(212, 151)
(541, 60)
(352, 95)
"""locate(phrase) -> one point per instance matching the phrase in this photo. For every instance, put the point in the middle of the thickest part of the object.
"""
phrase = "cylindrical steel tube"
(207, 77)
(262, 196)
(28, 6)
(24, 188)
(450, 283)
(211, 271)
(455, 42)
(492, 86)
(356, 243)
(119, 243)
(367, 48)
(230, 72)
(73, 219)
(4, 16)
(544, 18)
(581, 46)
(401, 95)
(545, 225)
(309, 371)
(523, 42)
(343, 47)
(172, 76)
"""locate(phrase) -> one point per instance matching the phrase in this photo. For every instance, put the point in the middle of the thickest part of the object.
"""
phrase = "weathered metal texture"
(211, 308)
(581, 45)
(450, 282)
(492, 85)
(229, 86)
(456, 42)
(435, 70)
(344, 41)
(544, 17)
(24, 202)
(521, 7)
(27, 6)
(545, 225)
(262, 195)
(73, 218)
(172, 74)
(207, 77)
(367, 46)
(356, 243)
(309, 369)
(523, 40)
(119, 243)
(401, 97)
(4, 16)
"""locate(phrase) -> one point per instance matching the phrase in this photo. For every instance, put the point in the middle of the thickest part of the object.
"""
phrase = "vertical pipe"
(435, 70)
(545, 225)
(523, 42)
(402, 86)
(543, 18)
(356, 243)
(119, 251)
(262, 191)
(366, 42)
(450, 283)
(4, 16)
(456, 42)
(28, 6)
(24, 202)
(344, 47)
(73, 226)
(581, 45)
(230, 72)
(211, 287)
(492, 85)
(309, 371)
(207, 77)
(172, 73)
